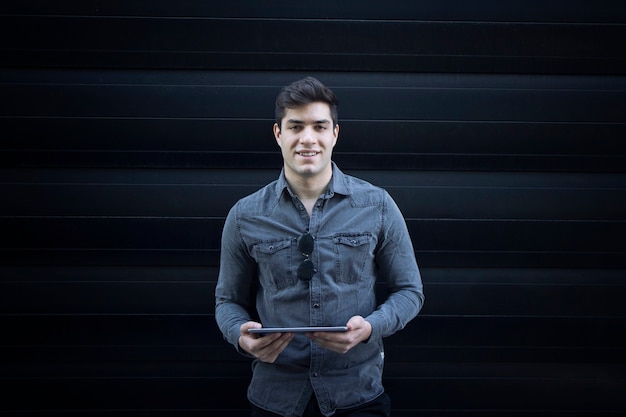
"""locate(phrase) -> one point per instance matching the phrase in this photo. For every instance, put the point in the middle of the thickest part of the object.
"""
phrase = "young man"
(306, 250)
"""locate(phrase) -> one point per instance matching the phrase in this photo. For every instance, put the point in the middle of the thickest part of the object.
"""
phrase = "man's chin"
(308, 170)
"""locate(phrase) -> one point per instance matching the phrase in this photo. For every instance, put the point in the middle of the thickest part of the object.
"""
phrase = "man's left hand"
(359, 330)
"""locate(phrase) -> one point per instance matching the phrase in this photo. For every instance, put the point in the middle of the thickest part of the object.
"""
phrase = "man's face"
(306, 138)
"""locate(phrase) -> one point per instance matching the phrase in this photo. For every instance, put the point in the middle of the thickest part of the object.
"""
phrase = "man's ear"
(276, 130)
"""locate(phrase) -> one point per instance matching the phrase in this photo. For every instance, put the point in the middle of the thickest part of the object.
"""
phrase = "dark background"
(129, 128)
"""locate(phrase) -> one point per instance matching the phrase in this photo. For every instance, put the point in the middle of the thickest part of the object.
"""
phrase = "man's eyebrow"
(316, 122)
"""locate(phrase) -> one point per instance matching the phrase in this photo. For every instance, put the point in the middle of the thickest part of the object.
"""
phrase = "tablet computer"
(305, 329)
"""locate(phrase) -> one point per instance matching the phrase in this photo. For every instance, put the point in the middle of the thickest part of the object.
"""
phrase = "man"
(306, 250)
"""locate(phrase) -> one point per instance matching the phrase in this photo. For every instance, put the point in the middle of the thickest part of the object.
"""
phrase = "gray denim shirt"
(360, 237)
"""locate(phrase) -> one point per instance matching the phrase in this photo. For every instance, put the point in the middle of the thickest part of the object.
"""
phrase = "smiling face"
(306, 138)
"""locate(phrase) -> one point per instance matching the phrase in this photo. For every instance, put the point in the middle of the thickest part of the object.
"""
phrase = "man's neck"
(309, 188)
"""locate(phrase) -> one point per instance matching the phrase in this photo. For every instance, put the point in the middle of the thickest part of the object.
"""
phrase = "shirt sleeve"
(236, 283)
(397, 267)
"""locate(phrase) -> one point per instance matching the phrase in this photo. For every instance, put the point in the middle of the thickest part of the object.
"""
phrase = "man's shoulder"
(258, 199)
(364, 192)
(360, 183)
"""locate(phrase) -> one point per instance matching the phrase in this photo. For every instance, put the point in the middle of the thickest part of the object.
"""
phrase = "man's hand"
(359, 330)
(265, 348)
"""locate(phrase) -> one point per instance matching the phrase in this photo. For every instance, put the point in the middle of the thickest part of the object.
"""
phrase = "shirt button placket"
(314, 371)
(316, 300)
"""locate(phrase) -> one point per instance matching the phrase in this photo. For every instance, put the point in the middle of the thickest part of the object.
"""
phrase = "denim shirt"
(360, 237)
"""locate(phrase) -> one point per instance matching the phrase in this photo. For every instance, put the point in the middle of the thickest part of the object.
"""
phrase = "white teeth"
(308, 153)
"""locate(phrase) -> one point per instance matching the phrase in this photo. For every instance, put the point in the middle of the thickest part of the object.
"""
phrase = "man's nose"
(308, 135)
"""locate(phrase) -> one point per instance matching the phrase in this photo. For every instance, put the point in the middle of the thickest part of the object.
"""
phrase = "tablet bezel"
(302, 329)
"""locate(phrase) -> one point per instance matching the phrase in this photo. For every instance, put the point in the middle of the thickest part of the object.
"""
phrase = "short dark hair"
(302, 92)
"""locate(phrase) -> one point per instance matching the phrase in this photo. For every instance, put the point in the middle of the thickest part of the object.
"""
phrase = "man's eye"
(295, 127)
(320, 127)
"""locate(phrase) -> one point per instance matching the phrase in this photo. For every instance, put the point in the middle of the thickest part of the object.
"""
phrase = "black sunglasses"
(306, 268)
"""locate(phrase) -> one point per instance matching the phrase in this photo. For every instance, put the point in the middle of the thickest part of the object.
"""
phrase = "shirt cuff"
(376, 329)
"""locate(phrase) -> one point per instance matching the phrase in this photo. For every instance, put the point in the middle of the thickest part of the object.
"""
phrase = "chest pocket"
(353, 252)
(275, 263)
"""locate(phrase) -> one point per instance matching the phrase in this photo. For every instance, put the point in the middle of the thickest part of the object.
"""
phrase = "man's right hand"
(265, 348)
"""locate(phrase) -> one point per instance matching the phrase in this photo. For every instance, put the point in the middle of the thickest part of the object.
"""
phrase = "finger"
(272, 342)
(243, 330)
(271, 351)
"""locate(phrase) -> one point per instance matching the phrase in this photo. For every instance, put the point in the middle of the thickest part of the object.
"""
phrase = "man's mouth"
(307, 153)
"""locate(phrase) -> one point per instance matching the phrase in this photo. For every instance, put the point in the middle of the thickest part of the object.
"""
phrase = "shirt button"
(316, 305)
(315, 374)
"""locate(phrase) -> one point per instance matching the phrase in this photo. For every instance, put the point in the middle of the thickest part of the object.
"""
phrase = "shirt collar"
(338, 183)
